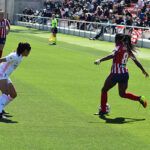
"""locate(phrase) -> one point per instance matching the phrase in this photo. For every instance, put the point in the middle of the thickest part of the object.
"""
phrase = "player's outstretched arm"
(98, 61)
(140, 66)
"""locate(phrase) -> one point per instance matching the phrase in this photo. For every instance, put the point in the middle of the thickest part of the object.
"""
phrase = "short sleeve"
(10, 58)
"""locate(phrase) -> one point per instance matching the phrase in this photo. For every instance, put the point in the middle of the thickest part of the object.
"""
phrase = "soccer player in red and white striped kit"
(119, 73)
(4, 30)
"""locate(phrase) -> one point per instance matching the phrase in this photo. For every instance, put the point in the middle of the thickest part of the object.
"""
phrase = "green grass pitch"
(58, 93)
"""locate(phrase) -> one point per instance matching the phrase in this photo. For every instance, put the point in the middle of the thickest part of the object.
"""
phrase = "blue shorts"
(120, 78)
(2, 41)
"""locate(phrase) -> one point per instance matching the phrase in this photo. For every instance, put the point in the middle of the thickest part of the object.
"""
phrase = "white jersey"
(12, 62)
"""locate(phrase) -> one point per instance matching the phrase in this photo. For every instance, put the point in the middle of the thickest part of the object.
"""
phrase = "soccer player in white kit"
(7, 65)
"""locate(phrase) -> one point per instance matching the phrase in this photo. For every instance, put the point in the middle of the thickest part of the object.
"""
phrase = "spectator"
(4, 30)
(95, 11)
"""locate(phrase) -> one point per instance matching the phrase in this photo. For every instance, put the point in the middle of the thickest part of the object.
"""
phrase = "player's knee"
(122, 94)
(104, 89)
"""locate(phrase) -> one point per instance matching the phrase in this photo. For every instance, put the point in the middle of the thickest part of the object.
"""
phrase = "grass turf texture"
(58, 93)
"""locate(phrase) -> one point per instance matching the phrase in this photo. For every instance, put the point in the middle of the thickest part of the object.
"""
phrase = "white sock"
(8, 100)
(3, 100)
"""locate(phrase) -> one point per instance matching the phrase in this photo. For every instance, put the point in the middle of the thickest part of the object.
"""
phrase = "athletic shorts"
(2, 77)
(54, 30)
(2, 41)
(120, 78)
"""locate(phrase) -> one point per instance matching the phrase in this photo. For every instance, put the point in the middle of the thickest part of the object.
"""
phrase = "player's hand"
(97, 62)
(146, 74)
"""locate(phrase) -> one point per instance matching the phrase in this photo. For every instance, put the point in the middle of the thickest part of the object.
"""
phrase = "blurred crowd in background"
(124, 12)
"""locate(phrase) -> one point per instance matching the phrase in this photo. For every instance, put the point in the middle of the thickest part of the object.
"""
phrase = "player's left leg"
(54, 40)
(123, 85)
(122, 92)
(1, 49)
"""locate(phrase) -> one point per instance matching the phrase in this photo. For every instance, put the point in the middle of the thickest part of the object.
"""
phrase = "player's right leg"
(107, 86)
(11, 93)
(8, 93)
(3, 97)
(54, 35)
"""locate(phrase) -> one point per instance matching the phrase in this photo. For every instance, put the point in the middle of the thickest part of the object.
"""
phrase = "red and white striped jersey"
(120, 59)
(3, 28)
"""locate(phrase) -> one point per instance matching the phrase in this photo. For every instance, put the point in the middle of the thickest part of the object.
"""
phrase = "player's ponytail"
(128, 43)
(22, 47)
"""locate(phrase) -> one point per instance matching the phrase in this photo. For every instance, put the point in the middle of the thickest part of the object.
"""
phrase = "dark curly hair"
(22, 47)
(119, 38)
(128, 43)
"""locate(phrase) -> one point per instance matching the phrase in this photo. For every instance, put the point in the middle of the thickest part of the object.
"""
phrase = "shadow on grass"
(120, 120)
(6, 120)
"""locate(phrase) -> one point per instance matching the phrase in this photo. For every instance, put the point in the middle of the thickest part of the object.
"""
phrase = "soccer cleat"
(143, 102)
(4, 112)
(2, 116)
(92, 39)
(101, 113)
(52, 44)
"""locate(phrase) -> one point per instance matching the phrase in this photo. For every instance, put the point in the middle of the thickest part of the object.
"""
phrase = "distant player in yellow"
(54, 24)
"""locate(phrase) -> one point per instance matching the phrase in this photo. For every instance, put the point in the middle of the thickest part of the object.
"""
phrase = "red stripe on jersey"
(120, 59)
(118, 68)
(3, 31)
